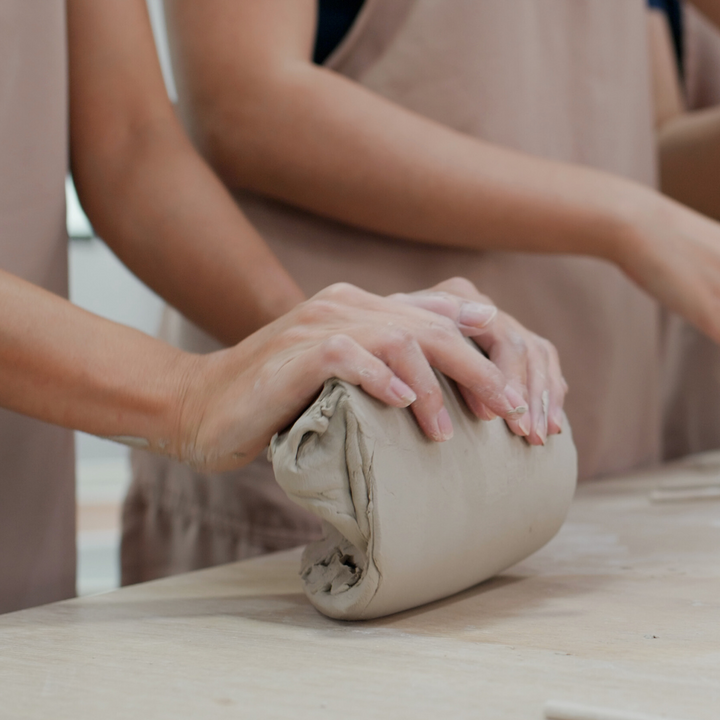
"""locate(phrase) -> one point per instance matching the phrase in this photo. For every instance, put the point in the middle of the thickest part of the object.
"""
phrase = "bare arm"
(66, 366)
(269, 120)
(148, 193)
(63, 365)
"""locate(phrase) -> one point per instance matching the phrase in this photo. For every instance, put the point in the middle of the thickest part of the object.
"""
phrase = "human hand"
(236, 399)
(673, 253)
(529, 362)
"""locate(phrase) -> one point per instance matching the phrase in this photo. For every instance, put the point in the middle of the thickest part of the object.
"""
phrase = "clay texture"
(406, 520)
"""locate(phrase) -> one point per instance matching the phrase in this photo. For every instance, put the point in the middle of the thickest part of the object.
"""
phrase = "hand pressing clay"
(407, 520)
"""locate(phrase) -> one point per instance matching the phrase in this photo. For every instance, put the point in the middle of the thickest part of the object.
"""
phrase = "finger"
(402, 353)
(451, 355)
(558, 389)
(475, 312)
(506, 347)
(539, 401)
(469, 316)
(291, 379)
(477, 407)
(342, 357)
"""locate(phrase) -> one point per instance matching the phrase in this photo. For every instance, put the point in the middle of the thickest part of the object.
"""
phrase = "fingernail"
(404, 393)
(487, 414)
(557, 418)
(524, 425)
(516, 400)
(476, 315)
(541, 429)
(444, 425)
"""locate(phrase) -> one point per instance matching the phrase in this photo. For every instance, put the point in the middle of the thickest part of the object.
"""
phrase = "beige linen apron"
(564, 79)
(37, 483)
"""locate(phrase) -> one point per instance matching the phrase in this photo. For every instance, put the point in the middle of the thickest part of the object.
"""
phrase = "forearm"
(148, 193)
(317, 140)
(63, 365)
(170, 220)
(690, 160)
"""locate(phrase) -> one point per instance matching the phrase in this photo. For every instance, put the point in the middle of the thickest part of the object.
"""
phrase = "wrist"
(165, 408)
(151, 414)
(633, 213)
(184, 409)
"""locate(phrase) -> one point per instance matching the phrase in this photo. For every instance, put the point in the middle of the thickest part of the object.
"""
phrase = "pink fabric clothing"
(563, 79)
(37, 475)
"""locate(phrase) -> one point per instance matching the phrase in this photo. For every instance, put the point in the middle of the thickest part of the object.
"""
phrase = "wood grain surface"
(621, 611)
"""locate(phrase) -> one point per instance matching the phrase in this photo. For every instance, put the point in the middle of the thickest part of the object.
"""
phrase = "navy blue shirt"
(673, 10)
(335, 18)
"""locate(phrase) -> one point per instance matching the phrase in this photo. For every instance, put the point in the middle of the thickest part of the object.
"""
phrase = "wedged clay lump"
(406, 520)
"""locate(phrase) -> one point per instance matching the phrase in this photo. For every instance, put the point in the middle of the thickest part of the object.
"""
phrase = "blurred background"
(101, 284)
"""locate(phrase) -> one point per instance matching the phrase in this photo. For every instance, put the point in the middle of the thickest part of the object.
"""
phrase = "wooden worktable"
(620, 611)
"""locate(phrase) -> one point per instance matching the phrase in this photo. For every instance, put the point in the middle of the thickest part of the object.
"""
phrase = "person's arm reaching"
(63, 365)
(148, 193)
(271, 121)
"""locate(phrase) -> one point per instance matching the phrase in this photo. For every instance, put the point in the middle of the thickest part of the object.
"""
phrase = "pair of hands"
(236, 399)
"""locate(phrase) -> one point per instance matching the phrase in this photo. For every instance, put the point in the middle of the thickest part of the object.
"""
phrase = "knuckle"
(432, 396)
(427, 388)
(459, 285)
(336, 348)
(444, 328)
(342, 292)
(518, 343)
(399, 338)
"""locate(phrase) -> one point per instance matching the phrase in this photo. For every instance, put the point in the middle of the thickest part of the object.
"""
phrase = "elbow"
(108, 158)
(210, 129)
(243, 130)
